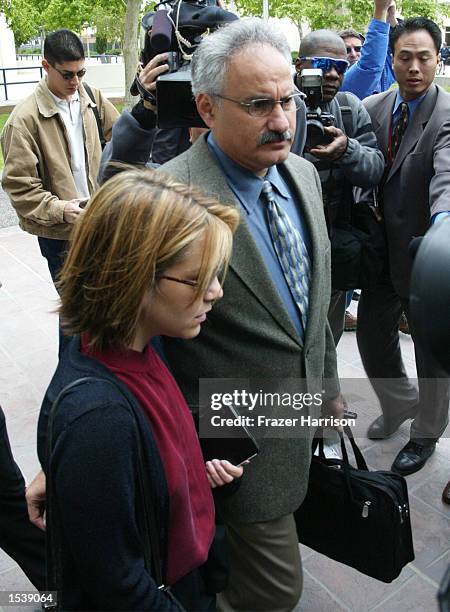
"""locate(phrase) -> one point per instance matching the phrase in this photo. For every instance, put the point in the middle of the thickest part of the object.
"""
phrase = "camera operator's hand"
(335, 149)
(149, 73)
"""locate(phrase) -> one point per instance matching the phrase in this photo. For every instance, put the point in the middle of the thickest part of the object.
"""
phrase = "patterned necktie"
(291, 251)
(399, 130)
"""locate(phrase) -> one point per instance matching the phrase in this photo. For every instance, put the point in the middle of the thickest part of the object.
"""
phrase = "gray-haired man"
(267, 326)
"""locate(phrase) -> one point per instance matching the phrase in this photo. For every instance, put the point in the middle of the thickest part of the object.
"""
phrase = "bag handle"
(360, 461)
(359, 457)
(146, 517)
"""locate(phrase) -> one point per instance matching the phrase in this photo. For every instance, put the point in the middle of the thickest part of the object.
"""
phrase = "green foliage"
(340, 14)
(109, 21)
(22, 17)
(25, 17)
(437, 11)
(100, 44)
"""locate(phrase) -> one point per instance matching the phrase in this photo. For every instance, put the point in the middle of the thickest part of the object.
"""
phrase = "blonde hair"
(136, 226)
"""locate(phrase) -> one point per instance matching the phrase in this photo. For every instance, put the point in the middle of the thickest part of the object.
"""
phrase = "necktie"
(291, 252)
(399, 130)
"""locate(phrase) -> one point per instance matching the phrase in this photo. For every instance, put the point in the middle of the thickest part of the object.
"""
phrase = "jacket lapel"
(381, 121)
(246, 260)
(414, 129)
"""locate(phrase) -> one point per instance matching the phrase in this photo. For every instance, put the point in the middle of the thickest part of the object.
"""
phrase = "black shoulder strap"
(146, 513)
(101, 135)
(346, 112)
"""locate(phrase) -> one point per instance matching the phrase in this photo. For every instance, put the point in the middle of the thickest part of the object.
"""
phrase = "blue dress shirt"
(247, 187)
(412, 106)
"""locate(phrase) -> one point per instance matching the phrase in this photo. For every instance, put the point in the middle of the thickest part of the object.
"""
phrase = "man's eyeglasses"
(356, 48)
(262, 107)
(191, 283)
(327, 63)
(67, 75)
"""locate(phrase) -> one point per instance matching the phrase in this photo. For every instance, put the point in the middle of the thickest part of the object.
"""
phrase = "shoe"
(350, 322)
(446, 494)
(412, 457)
(379, 431)
(403, 326)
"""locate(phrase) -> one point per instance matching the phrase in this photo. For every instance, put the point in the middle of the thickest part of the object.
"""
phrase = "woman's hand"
(221, 472)
(35, 496)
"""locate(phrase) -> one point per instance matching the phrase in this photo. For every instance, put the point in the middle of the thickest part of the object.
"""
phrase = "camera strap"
(346, 112)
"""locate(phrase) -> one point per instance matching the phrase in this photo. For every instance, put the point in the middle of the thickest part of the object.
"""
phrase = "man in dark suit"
(265, 327)
(412, 125)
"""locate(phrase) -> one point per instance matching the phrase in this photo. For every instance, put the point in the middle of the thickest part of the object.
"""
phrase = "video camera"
(310, 83)
(177, 28)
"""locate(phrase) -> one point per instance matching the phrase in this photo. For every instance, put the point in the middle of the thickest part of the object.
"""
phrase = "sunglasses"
(327, 63)
(67, 75)
(356, 48)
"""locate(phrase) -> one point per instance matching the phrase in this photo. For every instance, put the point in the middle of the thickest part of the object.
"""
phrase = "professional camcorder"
(310, 83)
(177, 28)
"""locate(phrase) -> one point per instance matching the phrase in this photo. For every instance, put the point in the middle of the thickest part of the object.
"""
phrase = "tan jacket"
(37, 176)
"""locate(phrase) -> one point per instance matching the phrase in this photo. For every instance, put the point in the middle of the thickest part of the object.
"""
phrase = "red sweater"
(191, 507)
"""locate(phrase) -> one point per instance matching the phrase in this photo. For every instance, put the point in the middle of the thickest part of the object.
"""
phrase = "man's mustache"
(272, 136)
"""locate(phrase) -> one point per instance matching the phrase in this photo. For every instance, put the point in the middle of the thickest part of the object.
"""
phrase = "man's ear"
(298, 64)
(206, 108)
(45, 65)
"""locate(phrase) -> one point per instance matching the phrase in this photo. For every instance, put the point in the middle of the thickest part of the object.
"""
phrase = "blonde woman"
(145, 260)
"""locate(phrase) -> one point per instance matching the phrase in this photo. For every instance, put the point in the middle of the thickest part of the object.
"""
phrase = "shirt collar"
(412, 104)
(74, 98)
(245, 184)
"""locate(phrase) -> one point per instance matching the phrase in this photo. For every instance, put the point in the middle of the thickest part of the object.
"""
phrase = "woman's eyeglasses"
(191, 283)
(67, 75)
(327, 63)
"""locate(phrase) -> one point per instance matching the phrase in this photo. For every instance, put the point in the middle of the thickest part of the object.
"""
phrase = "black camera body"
(177, 28)
(310, 83)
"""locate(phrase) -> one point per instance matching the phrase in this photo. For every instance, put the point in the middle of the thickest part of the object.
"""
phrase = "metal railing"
(103, 57)
(6, 83)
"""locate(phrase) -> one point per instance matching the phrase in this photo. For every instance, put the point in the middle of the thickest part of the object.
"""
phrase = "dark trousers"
(379, 314)
(21, 540)
(54, 252)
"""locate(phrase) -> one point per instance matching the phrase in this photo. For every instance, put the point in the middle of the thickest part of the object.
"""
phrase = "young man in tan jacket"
(51, 146)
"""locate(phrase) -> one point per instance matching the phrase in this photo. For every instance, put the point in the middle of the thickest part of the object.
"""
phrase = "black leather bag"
(357, 517)
(358, 249)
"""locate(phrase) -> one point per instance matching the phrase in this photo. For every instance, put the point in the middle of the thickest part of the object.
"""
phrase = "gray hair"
(212, 58)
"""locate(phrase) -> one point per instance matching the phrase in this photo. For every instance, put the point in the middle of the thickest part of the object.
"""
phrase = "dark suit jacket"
(418, 184)
(250, 335)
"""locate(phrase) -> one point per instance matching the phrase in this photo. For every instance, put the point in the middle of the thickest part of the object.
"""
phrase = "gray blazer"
(250, 335)
(418, 184)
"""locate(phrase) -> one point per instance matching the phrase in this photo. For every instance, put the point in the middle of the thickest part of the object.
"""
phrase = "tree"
(109, 27)
(113, 18)
(346, 13)
(23, 19)
(130, 44)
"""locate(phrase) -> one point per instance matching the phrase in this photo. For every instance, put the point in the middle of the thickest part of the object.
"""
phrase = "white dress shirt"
(71, 115)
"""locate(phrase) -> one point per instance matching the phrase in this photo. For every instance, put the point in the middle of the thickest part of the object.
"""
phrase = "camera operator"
(348, 156)
(136, 139)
